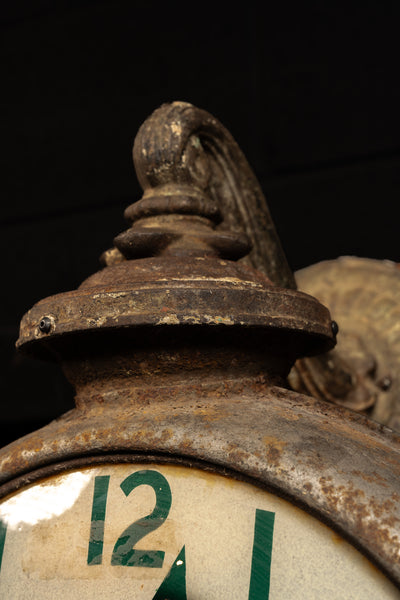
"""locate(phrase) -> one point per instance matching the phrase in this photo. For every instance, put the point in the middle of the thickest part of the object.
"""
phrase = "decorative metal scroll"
(188, 163)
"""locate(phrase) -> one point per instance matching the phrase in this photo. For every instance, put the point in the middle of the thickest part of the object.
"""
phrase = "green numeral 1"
(3, 531)
(95, 550)
(262, 553)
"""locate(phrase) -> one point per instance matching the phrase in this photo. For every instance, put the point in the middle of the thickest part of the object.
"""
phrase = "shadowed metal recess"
(180, 349)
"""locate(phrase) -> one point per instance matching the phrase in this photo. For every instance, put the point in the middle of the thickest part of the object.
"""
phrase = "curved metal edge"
(184, 461)
(343, 470)
(228, 305)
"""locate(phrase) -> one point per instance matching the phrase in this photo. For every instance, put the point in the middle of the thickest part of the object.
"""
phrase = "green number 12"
(126, 554)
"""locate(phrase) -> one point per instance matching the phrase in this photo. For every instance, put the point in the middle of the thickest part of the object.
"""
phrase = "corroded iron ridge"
(338, 465)
(204, 300)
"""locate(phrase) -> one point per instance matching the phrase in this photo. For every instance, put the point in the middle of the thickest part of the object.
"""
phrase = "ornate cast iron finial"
(200, 196)
(202, 209)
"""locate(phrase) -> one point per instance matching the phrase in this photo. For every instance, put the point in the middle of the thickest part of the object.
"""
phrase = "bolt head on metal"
(385, 383)
(45, 325)
(335, 328)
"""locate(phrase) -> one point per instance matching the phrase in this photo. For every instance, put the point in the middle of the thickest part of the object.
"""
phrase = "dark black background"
(310, 90)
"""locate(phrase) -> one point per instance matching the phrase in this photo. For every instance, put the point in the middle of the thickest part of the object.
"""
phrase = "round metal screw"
(335, 328)
(385, 383)
(45, 325)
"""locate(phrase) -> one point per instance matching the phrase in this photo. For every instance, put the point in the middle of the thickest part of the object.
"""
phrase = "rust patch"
(373, 477)
(209, 413)
(380, 508)
(336, 538)
(274, 449)
(366, 516)
(238, 457)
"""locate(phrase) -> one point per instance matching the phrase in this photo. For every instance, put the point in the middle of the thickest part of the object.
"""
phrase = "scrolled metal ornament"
(188, 163)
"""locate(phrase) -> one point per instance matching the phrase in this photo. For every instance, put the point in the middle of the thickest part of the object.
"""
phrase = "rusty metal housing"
(178, 353)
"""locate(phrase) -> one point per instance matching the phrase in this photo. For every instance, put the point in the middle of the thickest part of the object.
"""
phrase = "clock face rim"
(336, 465)
(155, 463)
(85, 462)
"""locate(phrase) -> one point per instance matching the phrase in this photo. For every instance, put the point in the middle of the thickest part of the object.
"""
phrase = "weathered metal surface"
(194, 176)
(363, 372)
(191, 291)
(335, 464)
(188, 163)
(181, 355)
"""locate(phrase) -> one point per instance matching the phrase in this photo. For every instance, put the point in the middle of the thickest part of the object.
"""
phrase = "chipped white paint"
(27, 454)
(218, 319)
(98, 322)
(244, 284)
(168, 320)
(103, 295)
(191, 319)
(176, 128)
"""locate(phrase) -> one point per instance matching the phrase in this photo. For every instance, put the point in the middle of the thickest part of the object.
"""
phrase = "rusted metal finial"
(202, 209)
(200, 196)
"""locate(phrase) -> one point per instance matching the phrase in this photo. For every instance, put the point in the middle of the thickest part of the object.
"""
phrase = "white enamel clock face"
(161, 532)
